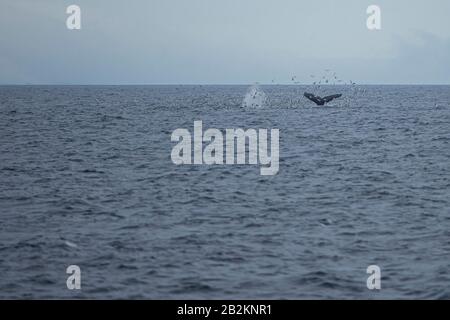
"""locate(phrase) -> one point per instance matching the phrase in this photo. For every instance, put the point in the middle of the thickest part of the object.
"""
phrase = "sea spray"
(255, 97)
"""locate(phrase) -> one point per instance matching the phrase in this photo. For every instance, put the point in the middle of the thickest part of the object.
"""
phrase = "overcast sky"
(223, 42)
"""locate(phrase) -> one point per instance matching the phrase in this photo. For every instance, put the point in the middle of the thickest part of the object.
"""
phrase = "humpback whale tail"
(321, 101)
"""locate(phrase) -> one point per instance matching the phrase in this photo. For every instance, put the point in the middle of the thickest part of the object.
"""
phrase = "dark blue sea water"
(86, 178)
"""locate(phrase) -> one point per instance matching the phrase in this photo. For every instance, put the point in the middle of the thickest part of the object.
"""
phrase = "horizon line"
(220, 84)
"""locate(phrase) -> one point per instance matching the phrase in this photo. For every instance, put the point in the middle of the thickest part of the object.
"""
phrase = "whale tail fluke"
(321, 101)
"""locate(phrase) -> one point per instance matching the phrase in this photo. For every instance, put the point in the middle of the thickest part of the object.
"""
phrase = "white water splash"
(254, 98)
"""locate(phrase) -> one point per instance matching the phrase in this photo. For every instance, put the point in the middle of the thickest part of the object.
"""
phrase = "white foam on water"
(70, 244)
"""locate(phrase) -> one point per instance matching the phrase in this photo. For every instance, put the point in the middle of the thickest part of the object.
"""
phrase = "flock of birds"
(255, 97)
(329, 78)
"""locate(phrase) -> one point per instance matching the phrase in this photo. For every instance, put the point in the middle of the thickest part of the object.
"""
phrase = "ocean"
(86, 179)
